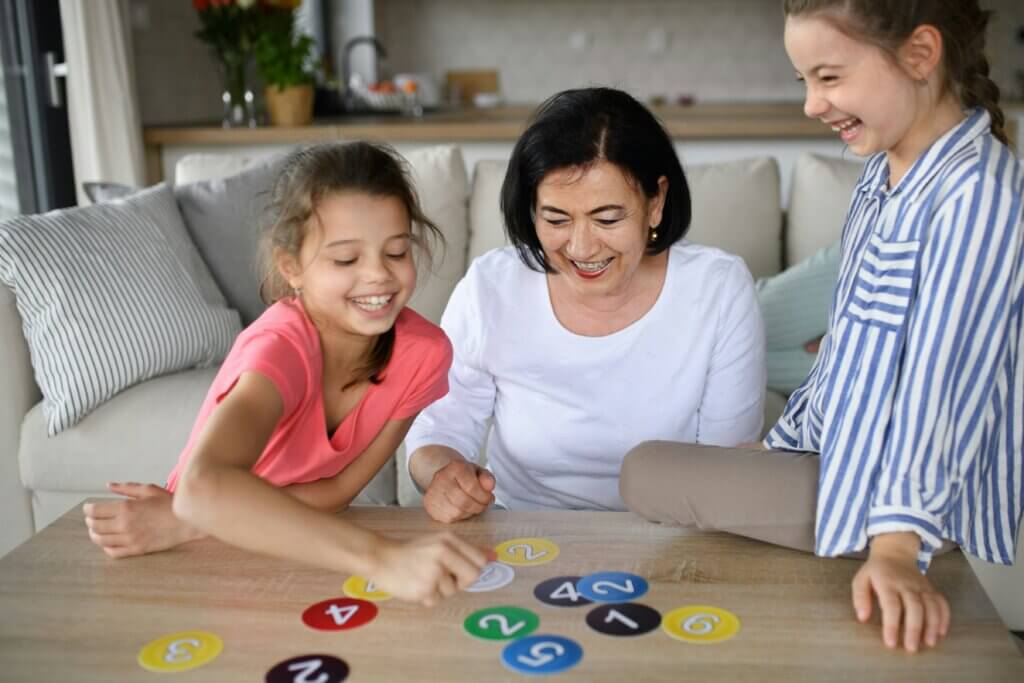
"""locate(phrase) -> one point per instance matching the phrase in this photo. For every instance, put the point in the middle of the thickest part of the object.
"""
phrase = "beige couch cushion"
(736, 207)
(818, 201)
(136, 436)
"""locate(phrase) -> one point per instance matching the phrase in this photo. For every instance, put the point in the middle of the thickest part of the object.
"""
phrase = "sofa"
(137, 435)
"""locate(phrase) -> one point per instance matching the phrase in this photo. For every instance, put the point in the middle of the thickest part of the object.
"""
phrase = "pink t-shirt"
(283, 345)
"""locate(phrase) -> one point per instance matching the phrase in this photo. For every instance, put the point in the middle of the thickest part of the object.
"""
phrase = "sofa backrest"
(736, 207)
(439, 175)
(818, 201)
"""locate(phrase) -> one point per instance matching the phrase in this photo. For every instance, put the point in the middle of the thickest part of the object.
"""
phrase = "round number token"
(501, 623)
(339, 614)
(180, 651)
(612, 587)
(495, 575)
(541, 654)
(318, 668)
(364, 589)
(700, 624)
(560, 592)
(624, 619)
(527, 552)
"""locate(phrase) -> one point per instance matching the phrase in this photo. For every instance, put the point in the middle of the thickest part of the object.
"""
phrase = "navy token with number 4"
(612, 587)
(560, 592)
(542, 654)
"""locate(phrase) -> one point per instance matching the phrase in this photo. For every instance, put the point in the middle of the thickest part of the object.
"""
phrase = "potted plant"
(284, 59)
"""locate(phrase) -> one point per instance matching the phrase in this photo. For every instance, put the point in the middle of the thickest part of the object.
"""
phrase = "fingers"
(134, 489)
(913, 620)
(104, 510)
(487, 481)
(465, 504)
(862, 596)
(932, 618)
(892, 612)
(110, 525)
(466, 477)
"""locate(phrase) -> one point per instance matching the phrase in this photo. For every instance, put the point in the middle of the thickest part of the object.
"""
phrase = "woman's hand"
(459, 490)
(427, 569)
(904, 593)
(142, 524)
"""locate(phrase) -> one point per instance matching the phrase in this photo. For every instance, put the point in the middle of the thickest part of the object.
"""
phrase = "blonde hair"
(888, 24)
(316, 172)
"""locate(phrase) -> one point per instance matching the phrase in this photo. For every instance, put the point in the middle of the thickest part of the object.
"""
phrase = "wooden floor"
(69, 613)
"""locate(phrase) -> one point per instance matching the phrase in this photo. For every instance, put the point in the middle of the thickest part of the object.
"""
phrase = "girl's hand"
(904, 593)
(142, 524)
(428, 569)
(459, 490)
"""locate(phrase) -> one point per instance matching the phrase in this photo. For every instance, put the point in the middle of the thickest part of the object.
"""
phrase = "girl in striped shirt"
(906, 437)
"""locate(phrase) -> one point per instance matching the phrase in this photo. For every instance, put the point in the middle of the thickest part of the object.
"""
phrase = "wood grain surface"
(68, 613)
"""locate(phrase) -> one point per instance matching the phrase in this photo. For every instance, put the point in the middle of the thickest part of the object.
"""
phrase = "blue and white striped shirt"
(916, 402)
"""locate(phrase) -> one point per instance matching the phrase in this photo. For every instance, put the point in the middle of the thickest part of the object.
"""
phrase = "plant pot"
(290, 106)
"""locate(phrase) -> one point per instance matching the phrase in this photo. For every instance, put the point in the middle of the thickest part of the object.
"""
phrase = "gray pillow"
(111, 295)
(225, 217)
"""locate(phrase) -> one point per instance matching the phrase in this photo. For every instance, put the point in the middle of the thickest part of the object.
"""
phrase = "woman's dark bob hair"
(575, 129)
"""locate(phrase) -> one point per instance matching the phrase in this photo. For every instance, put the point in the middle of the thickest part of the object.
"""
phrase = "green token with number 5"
(501, 623)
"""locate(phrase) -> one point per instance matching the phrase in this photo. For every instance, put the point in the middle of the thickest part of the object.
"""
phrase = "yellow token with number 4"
(700, 624)
(180, 651)
(526, 552)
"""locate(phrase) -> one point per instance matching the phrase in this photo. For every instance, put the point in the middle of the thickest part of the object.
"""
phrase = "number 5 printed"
(542, 654)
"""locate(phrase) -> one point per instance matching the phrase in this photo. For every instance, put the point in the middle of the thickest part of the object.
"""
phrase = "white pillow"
(111, 295)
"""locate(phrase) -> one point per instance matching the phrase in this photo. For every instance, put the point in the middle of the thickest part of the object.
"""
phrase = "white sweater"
(567, 408)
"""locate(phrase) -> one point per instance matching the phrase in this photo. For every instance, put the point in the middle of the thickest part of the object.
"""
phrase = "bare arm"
(218, 494)
(335, 493)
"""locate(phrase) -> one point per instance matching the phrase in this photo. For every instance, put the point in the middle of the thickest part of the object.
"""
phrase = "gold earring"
(652, 236)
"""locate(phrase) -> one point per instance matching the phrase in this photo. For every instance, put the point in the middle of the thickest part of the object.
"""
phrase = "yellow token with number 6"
(180, 651)
(700, 624)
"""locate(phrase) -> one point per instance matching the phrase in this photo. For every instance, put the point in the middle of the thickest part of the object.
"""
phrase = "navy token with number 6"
(542, 654)
(612, 587)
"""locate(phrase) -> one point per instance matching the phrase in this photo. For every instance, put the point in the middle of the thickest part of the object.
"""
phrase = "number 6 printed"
(701, 624)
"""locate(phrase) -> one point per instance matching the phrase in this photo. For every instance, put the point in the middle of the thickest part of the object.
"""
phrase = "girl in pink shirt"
(317, 393)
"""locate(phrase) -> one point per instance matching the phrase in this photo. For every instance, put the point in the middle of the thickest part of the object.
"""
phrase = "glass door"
(36, 173)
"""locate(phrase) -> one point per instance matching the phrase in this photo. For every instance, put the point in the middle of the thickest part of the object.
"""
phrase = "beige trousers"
(766, 495)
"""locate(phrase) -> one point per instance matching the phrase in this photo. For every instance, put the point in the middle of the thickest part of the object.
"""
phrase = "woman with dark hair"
(599, 328)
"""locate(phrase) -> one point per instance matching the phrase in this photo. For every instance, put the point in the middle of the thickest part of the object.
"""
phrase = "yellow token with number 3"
(180, 651)
(700, 624)
(526, 552)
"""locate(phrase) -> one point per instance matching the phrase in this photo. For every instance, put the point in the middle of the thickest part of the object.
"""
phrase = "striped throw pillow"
(109, 296)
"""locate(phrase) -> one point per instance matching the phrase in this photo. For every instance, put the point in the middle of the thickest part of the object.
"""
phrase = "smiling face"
(852, 86)
(594, 224)
(355, 266)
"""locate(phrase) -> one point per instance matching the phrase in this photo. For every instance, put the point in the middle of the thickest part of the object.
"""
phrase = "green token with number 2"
(501, 623)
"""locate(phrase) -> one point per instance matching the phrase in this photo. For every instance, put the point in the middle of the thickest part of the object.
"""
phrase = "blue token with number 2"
(612, 587)
(542, 654)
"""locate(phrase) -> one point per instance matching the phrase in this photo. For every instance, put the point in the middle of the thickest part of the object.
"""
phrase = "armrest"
(18, 397)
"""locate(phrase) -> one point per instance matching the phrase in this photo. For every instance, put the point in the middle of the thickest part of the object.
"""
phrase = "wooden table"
(69, 613)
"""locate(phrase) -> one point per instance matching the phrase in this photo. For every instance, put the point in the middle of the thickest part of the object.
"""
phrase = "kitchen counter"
(701, 121)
